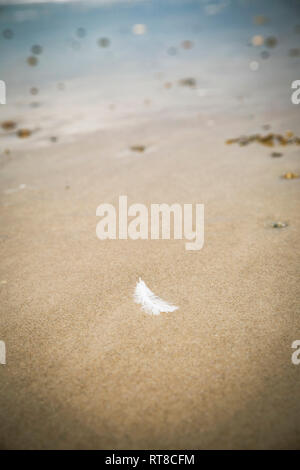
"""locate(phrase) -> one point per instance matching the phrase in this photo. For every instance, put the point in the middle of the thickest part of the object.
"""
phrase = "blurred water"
(81, 86)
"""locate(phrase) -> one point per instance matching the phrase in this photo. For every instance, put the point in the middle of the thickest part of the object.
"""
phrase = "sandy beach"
(86, 367)
(161, 101)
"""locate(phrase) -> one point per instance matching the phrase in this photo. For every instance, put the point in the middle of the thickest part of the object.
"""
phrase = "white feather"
(149, 301)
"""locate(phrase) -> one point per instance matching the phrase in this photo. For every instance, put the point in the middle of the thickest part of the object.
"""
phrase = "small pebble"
(32, 61)
(276, 154)
(137, 148)
(260, 20)
(279, 224)
(187, 44)
(257, 40)
(271, 41)
(34, 91)
(139, 29)
(190, 82)
(8, 125)
(36, 49)
(104, 42)
(23, 133)
(290, 176)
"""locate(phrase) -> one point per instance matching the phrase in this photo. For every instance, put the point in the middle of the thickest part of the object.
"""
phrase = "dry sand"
(86, 368)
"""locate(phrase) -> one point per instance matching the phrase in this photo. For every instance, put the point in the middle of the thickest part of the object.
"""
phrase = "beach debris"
(61, 86)
(34, 91)
(8, 125)
(151, 303)
(36, 49)
(187, 44)
(138, 148)
(139, 29)
(188, 82)
(8, 34)
(266, 127)
(269, 140)
(53, 138)
(24, 133)
(279, 225)
(271, 41)
(260, 20)
(32, 60)
(257, 40)
(276, 154)
(168, 85)
(290, 176)
(103, 42)
(3, 282)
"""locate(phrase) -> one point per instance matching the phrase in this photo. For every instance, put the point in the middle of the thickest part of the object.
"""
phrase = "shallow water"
(80, 86)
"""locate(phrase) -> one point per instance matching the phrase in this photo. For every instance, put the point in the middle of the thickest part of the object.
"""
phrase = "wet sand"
(86, 367)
